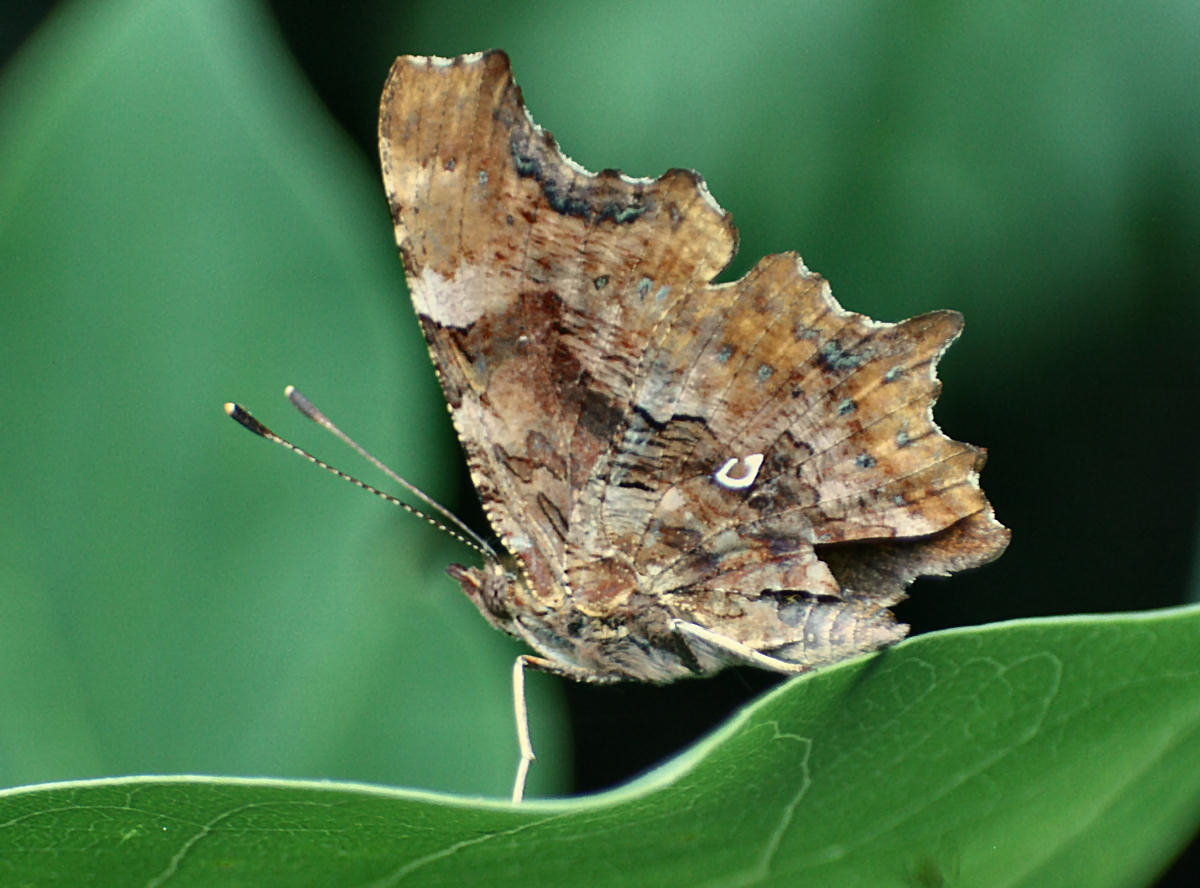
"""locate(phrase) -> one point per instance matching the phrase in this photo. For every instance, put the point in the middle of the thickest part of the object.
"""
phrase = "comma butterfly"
(685, 475)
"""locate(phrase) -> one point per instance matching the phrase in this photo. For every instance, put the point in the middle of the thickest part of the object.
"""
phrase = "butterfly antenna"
(471, 539)
(310, 410)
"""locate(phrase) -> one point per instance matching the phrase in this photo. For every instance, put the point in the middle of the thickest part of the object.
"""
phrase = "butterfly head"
(489, 589)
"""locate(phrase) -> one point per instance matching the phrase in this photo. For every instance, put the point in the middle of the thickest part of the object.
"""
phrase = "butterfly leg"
(521, 711)
(733, 650)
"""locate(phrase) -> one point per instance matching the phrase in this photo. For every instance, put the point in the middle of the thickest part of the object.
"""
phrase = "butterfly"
(683, 475)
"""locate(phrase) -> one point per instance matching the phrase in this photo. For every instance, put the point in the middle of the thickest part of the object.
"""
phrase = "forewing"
(536, 283)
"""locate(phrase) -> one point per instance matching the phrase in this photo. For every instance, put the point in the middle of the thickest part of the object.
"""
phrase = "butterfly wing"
(746, 457)
(517, 262)
(849, 489)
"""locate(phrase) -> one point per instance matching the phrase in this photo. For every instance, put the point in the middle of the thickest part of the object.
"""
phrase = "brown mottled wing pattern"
(641, 437)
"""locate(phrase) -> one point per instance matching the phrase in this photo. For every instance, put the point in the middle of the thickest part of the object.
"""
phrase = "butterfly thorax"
(634, 644)
(645, 639)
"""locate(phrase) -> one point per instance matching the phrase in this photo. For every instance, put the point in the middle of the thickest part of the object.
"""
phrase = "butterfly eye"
(725, 478)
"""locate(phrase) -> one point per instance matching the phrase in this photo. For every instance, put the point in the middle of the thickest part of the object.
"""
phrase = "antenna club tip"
(304, 405)
(243, 418)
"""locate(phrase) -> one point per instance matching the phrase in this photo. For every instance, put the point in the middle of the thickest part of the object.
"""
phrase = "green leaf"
(1039, 753)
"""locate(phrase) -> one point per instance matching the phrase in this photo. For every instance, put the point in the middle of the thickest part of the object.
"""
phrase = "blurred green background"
(190, 213)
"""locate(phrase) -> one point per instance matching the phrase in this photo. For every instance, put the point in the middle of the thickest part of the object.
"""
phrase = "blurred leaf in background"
(183, 222)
